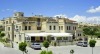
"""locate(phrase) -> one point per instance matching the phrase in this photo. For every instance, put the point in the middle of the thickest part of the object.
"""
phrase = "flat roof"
(46, 34)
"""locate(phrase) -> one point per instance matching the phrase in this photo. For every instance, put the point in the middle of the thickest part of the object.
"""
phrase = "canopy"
(52, 34)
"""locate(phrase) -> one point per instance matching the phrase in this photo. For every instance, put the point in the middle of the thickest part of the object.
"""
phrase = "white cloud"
(14, 10)
(78, 18)
(61, 16)
(8, 10)
(94, 10)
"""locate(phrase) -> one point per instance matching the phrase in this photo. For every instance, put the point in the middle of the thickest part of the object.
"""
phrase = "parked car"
(82, 43)
(36, 46)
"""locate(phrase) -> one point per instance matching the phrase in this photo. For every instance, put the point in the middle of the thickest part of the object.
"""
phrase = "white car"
(36, 46)
(82, 43)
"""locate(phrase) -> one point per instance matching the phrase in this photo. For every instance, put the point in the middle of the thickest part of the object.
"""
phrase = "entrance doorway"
(32, 39)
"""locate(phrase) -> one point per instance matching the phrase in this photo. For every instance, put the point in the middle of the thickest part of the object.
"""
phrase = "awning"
(46, 34)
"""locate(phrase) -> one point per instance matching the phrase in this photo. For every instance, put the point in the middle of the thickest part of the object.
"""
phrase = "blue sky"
(70, 8)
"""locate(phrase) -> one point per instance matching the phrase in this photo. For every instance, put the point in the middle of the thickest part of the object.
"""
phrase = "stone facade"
(17, 25)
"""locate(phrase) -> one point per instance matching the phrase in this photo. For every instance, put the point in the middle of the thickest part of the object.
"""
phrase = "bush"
(7, 44)
(43, 52)
(46, 52)
(2, 34)
(22, 46)
(92, 43)
(46, 44)
(71, 51)
(49, 52)
(55, 44)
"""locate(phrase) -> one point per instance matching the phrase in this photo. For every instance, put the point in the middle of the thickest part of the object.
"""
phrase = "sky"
(78, 10)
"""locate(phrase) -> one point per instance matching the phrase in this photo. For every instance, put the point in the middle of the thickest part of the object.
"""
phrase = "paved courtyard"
(56, 50)
(66, 50)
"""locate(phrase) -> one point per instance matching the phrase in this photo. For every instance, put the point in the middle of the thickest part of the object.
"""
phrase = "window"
(25, 27)
(3, 22)
(80, 34)
(19, 27)
(69, 28)
(50, 27)
(38, 28)
(16, 26)
(52, 38)
(22, 15)
(19, 37)
(15, 35)
(29, 28)
(54, 28)
(6, 22)
(15, 14)
(8, 28)
(61, 27)
(75, 28)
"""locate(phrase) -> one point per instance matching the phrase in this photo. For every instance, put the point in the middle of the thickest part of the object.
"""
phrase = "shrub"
(2, 34)
(49, 52)
(71, 51)
(92, 43)
(55, 44)
(46, 44)
(43, 52)
(22, 46)
(46, 52)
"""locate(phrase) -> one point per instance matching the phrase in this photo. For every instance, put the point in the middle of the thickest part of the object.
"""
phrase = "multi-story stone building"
(17, 27)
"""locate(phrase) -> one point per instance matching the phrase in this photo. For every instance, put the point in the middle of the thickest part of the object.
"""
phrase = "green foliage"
(2, 34)
(2, 40)
(92, 43)
(49, 38)
(46, 52)
(49, 52)
(0, 31)
(72, 51)
(43, 52)
(22, 46)
(90, 31)
(55, 44)
(46, 44)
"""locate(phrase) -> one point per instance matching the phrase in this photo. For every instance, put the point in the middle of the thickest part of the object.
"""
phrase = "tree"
(2, 34)
(22, 47)
(46, 44)
(90, 31)
(92, 44)
(48, 38)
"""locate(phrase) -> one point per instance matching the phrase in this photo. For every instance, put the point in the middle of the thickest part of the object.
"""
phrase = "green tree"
(48, 38)
(22, 47)
(90, 31)
(2, 34)
(92, 44)
(46, 44)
